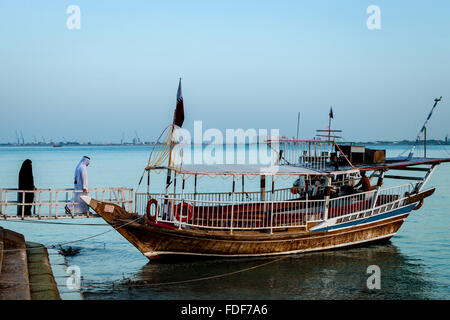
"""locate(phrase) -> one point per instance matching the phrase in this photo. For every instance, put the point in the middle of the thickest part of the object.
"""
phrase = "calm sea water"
(414, 265)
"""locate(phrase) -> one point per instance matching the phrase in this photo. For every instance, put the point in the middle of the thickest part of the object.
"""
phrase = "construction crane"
(137, 140)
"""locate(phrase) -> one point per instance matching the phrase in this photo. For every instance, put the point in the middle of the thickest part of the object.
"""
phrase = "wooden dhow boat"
(324, 209)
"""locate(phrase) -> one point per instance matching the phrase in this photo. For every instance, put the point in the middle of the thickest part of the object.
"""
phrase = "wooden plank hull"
(160, 240)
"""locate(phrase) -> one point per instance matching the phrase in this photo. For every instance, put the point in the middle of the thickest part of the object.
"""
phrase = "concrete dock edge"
(42, 282)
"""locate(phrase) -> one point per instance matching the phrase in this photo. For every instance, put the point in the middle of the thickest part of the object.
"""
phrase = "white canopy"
(245, 169)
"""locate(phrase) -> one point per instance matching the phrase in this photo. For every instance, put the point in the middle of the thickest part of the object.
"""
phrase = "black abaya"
(26, 182)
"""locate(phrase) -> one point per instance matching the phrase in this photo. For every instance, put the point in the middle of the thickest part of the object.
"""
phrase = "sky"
(244, 64)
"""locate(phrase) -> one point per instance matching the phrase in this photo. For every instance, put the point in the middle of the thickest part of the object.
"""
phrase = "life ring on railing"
(149, 211)
(294, 190)
(419, 205)
(183, 217)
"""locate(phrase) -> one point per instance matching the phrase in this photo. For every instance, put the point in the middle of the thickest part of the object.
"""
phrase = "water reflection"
(337, 274)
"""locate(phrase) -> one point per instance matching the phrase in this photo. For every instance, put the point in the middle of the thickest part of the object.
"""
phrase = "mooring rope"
(407, 148)
(60, 223)
(145, 284)
(76, 240)
(201, 278)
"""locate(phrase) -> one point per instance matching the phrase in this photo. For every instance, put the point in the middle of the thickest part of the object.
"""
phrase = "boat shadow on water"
(334, 274)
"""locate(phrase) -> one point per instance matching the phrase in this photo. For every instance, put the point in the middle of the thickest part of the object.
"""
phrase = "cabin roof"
(257, 170)
(401, 162)
(295, 170)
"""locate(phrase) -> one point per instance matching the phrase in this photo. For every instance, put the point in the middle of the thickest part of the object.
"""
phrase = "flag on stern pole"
(331, 112)
(178, 117)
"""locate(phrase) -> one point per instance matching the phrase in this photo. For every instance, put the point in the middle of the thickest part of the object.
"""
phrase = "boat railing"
(234, 214)
(51, 203)
(238, 215)
(275, 195)
(369, 200)
(313, 154)
(348, 204)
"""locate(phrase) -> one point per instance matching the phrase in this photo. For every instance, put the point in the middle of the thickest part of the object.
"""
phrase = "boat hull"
(163, 241)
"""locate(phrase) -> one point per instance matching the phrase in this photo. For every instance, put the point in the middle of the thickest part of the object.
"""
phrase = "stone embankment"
(25, 270)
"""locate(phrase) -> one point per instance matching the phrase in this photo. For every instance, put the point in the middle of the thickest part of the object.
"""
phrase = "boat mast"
(411, 153)
(329, 123)
(169, 174)
(178, 119)
(425, 143)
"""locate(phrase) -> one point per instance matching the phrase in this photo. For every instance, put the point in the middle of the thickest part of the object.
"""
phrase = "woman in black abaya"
(26, 182)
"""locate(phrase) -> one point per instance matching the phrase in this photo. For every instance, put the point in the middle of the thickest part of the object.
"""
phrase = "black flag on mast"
(178, 117)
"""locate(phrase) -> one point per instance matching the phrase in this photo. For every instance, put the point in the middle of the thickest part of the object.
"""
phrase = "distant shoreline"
(150, 144)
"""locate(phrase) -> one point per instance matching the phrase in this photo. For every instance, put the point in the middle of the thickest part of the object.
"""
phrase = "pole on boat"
(271, 205)
(243, 188)
(169, 175)
(298, 124)
(411, 153)
(425, 143)
(263, 187)
(178, 119)
(329, 122)
(175, 183)
(182, 201)
(377, 190)
(182, 185)
(327, 197)
(232, 204)
(195, 186)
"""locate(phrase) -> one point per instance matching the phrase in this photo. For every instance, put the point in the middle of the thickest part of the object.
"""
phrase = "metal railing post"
(23, 207)
(327, 198)
(232, 218)
(181, 212)
(40, 204)
(56, 205)
(375, 196)
(6, 204)
(271, 218)
(1, 202)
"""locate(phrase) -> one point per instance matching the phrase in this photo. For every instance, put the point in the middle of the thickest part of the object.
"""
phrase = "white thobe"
(80, 183)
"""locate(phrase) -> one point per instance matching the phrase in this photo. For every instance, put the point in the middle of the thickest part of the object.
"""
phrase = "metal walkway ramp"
(57, 203)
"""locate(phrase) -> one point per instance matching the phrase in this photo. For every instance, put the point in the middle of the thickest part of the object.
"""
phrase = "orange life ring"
(149, 205)
(294, 190)
(419, 205)
(178, 215)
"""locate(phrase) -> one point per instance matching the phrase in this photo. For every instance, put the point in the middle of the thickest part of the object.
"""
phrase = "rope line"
(73, 241)
(163, 283)
(61, 223)
(403, 152)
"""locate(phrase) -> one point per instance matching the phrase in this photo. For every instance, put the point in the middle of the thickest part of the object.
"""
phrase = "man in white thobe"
(81, 183)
